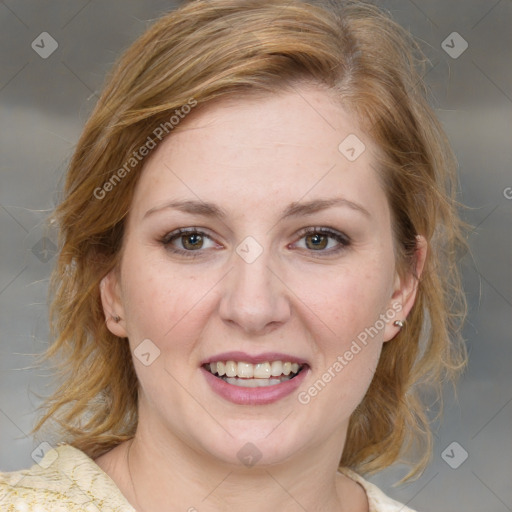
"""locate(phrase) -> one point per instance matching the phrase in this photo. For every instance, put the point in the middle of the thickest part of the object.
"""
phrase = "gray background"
(44, 104)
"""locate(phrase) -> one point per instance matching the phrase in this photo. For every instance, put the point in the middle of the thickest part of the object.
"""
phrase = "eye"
(190, 239)
(317, 240)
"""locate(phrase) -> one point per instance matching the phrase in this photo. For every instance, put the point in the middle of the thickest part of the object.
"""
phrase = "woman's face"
(254, 178)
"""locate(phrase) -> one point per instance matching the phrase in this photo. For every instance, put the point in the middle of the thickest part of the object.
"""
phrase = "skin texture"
(252, 157)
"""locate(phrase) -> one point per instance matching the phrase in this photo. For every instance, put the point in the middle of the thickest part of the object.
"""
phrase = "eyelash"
(341, 238)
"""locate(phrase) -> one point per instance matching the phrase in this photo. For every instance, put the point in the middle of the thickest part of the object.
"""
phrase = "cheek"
(166, 309)
(153, 299)
(346, 343)
(162, 303)
(349, 299)
(347, 330)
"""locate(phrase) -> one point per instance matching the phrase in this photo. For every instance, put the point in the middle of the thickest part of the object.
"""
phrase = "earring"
(116, 318)
(399, 323)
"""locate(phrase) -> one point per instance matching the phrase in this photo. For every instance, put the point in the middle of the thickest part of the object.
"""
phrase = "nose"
(254, 297)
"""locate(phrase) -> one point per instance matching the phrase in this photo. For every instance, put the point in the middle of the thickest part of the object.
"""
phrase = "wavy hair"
(214, 49)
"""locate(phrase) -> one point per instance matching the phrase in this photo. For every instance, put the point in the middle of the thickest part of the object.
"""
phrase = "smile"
(248, 375)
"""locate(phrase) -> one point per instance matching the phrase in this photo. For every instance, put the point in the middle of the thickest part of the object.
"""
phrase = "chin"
(254, 444)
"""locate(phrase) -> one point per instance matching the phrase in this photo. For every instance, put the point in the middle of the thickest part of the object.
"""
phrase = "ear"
(112, 304)
(405, 289)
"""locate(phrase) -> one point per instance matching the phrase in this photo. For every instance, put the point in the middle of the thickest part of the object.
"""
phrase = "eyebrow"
(295, 209)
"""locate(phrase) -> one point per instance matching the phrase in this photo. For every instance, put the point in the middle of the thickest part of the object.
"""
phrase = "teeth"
(254, 383)
(254, 372)
(231, 369)
(276, 368)
(262, 371)
(245, 370)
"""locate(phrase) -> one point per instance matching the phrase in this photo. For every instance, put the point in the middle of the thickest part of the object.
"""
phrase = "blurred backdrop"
(54, 56)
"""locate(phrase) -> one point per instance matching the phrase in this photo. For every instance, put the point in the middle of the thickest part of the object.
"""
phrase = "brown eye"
(188, 242)
(324, 241)
(318, 241)
(192, 241)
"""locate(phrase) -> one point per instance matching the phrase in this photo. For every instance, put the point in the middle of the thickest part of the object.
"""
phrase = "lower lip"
(254, 396)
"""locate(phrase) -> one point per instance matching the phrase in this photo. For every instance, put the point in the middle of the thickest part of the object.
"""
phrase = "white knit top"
(67, 480)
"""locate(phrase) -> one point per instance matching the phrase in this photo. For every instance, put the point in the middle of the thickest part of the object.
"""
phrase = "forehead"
(244, 151)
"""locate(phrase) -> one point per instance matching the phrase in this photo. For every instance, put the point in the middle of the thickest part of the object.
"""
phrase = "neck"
(193, 482)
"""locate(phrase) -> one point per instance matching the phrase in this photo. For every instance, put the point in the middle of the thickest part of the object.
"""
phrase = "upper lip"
(254, 359)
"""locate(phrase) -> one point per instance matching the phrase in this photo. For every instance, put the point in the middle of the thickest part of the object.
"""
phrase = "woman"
(257, 269)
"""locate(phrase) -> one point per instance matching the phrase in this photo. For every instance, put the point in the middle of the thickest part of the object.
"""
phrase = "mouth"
(248, 375)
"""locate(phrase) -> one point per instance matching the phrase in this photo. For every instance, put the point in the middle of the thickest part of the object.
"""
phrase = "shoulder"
(378, 501)
(65, 479)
